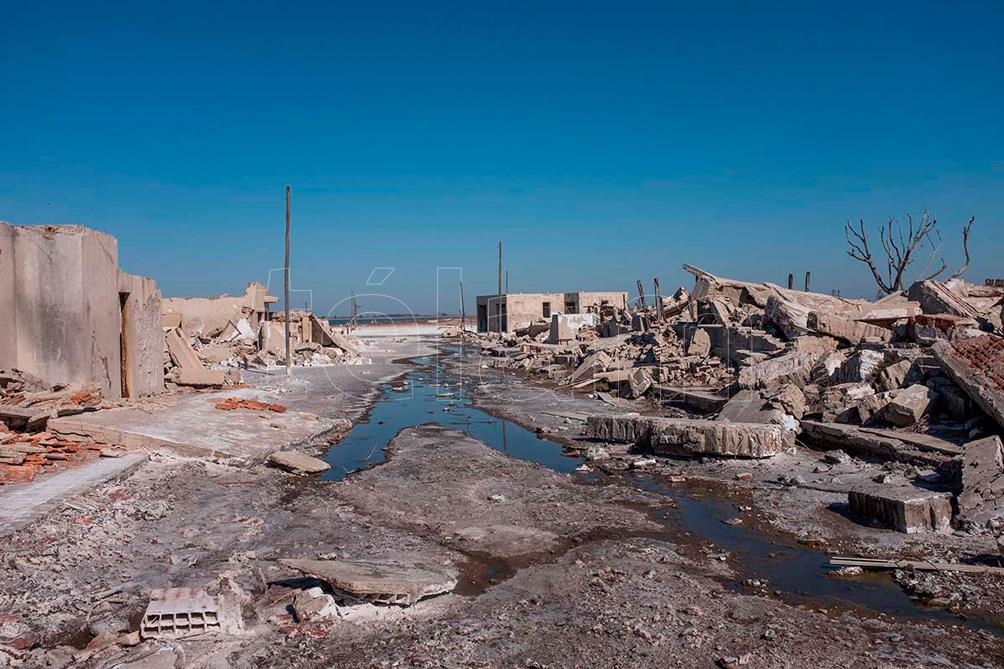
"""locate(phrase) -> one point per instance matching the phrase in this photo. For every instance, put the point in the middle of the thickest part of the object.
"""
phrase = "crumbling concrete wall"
(8, 320)
(142, 357)
(59, 292)
(66, 299)
(208, 316)
(594, 300)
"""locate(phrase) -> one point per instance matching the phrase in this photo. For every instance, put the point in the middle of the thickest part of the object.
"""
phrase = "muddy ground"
(554, 572)
(799, 495)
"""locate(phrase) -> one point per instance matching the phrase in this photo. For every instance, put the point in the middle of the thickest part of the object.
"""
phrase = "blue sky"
(603, 142)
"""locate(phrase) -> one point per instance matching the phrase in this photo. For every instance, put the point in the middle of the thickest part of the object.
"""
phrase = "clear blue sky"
(604, 142)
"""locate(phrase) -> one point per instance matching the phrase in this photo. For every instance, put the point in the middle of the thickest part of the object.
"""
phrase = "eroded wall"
(62, 314)
(143, 358)
(8, 314)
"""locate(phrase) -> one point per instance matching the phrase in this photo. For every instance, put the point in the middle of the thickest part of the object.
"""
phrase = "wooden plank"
(918, 565)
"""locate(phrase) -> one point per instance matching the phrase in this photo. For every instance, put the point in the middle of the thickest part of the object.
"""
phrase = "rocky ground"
(791, 495)
(553, 572)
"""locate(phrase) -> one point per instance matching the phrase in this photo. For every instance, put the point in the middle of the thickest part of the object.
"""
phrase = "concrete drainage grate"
(174, 613)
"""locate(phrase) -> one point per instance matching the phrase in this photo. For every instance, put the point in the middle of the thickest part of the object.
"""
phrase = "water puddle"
(433, 394)
(424, 401)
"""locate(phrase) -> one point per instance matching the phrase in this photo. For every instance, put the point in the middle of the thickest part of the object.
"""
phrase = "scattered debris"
(380, 581)
(231, 403)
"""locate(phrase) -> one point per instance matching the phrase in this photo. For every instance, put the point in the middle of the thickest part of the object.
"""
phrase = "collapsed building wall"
(61, 294)
(209, 316)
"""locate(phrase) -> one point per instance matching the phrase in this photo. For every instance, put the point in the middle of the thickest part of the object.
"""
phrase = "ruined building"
(516, 311)
(71, 316)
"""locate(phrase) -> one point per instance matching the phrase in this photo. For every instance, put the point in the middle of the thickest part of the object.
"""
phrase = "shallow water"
(434, 395)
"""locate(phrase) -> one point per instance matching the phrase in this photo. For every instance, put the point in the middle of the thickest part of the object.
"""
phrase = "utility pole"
(352, 312)
(285, 298)
(791, 280)
(808, 275)
(463, 314)
(658, 299)
(500, 267)
(641, 294)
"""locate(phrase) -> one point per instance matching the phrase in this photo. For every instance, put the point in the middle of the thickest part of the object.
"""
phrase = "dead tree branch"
(900, 246)
(965, 247)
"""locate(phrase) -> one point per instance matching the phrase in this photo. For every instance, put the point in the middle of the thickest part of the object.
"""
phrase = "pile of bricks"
(231, 403)
(23, 456)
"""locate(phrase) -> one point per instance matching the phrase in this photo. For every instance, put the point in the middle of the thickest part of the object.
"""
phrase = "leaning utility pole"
(500, 267)
(285, 298)
(658, 299)
(641, 294)
(463, 314)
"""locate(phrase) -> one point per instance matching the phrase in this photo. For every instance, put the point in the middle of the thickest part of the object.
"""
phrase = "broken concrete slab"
(702, 400)
(905, 509)
(918, 449)
(691, 437)
(190, 425)
(700, 343)
(297, 463)
(862, 366)
(982, 496)
(975, 364)
(390, 581)
(752, 406)
(845, 329)
(593, 363)
(908, 405)
(893, 376)
(935, 298)
(789, 368)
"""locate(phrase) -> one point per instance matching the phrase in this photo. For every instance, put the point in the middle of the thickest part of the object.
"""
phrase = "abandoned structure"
(71, 316)
(515, 311)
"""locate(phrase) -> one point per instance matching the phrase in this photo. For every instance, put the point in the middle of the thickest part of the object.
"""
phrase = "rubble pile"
(26, 405)
(208, 340)
(910, 378)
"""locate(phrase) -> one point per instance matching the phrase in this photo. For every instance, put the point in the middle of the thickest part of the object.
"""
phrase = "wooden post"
(641, 294)
(285, 288)
(500, 267)
(658, 300)
(463, 314)
(791, 281)
(807, 276)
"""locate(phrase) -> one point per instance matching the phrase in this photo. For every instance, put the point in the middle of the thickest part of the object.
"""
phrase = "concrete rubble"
(773, 403)
(742, 369)
(391, 581)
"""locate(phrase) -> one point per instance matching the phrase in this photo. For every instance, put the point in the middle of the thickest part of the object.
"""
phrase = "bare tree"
(900, 248)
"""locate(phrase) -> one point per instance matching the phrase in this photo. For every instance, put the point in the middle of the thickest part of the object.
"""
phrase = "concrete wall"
(143, 358)
(8, 314)
(66, 298)
(585, 301)
(61, 314)
(208, 316)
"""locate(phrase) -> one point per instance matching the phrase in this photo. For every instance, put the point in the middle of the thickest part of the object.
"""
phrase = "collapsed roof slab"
(976, 364)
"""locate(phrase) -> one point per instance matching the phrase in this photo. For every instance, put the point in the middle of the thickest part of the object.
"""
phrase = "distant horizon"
(602, 144)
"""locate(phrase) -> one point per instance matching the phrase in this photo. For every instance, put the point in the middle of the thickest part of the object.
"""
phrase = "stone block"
(908, 406)
(690, 437)
(904, 509)
(982, 496)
